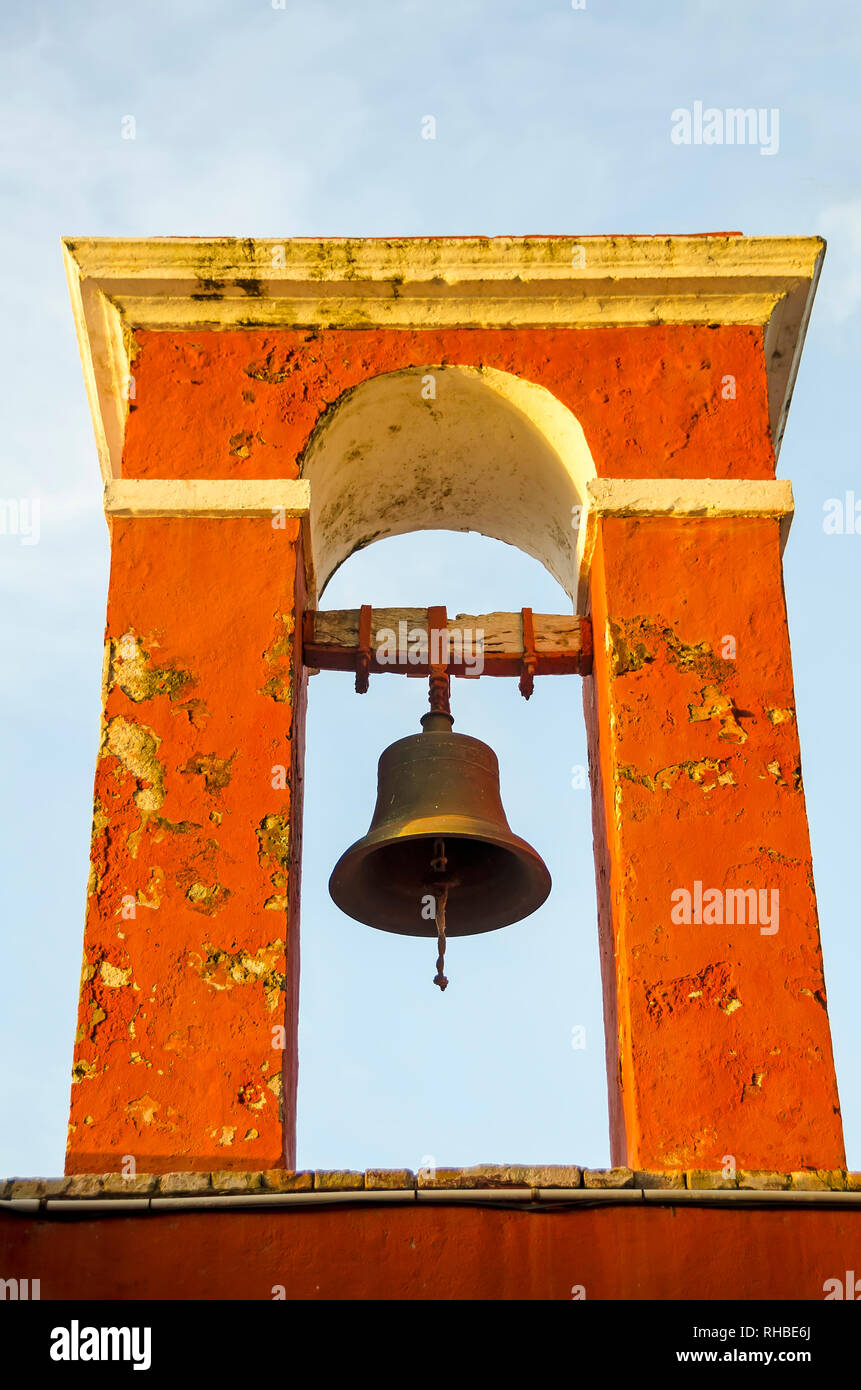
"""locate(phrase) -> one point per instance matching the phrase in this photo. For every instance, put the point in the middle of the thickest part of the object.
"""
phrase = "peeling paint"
(216, 772)
(717, 705)
(240, 444)
(707, 773)
(696, 657)
(143, 1110)
(196, 711)
(273, 837)
(712, 985)
(113, 976)
(136, 747)
(781, 716)
(152, 895)
(628, 653)
(130, 667)
(207, 898)
(279, 686)
(222, 970)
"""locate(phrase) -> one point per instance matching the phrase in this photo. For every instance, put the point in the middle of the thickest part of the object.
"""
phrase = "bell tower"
(612, 406)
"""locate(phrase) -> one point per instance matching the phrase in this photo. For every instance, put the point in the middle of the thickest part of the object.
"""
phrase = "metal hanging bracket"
(363, 656)
(527, 670)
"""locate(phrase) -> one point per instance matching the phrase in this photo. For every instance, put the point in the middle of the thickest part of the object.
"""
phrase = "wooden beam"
(485, 644)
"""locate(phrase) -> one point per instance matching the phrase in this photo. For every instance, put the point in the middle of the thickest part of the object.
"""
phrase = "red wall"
(416, 1252)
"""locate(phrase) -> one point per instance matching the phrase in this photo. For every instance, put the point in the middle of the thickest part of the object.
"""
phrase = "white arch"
(487, 451)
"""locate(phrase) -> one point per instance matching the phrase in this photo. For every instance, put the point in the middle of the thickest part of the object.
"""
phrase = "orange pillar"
(185, 1054)
(718, 1044)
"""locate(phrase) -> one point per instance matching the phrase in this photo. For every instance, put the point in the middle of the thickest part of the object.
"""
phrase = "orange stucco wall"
(174, 1061)
(454, 1252)
(719, 1043)
(650, 400)
(189, 964)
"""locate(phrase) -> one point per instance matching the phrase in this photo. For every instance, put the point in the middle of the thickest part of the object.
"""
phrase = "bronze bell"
(439, 824)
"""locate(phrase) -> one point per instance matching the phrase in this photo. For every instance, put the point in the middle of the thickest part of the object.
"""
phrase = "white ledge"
(152, 497)
(693, 497)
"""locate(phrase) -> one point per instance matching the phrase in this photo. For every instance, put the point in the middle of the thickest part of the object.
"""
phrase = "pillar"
(718, 1043)
(185, 1055)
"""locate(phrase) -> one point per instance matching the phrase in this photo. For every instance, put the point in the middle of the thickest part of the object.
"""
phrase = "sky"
(256, 119)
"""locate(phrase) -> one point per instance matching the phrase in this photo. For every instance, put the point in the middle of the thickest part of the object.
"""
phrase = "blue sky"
(306, 120)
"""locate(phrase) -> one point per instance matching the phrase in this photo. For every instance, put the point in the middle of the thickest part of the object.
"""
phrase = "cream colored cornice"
(150, 497)
(689, 497)
(121, 285)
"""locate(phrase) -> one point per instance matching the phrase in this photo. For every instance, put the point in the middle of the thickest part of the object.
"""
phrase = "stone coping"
(192, 1184)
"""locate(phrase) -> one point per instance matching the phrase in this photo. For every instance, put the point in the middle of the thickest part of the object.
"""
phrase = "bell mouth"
(386, 883)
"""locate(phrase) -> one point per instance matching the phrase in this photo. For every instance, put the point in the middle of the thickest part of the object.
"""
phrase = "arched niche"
(449, 448)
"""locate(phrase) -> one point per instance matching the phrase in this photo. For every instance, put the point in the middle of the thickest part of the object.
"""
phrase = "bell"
(439, 831)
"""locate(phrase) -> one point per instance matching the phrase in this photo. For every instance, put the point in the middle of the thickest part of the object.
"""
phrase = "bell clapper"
(439, 978)
(439, 687)
(439, 864)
